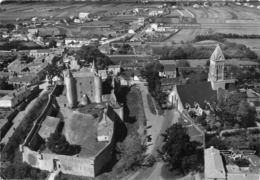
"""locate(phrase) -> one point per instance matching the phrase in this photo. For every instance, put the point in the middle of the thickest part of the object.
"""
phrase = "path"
(52, 175)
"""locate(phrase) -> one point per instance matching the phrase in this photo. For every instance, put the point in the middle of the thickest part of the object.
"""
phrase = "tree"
(151, 73)
(183, 63)
(217, 143)
(53, 70)
(181, 153)
(92, 53)
(57, 143)
(233, 109)
(53, 43)
(131, 153)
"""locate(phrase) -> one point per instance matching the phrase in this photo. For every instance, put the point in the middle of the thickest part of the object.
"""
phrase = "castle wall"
(68, 164)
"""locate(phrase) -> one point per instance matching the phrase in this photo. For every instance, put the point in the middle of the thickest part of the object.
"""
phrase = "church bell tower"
(216, 70)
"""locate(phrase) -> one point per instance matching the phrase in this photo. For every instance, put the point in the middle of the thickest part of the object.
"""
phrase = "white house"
(83, 15)
(115, 69)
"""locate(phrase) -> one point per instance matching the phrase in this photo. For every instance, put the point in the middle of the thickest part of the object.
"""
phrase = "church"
(199, 96)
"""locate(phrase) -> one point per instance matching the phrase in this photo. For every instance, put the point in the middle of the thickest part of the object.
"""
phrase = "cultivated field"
(224, 19)
(59, 9)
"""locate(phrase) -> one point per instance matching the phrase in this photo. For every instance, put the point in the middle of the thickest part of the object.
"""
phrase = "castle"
(83, 87)
(89, 117)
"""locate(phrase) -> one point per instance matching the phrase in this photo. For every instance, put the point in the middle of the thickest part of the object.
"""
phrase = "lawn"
(134, 114)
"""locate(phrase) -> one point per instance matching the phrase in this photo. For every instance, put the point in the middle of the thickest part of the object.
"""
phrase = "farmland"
(214, 19)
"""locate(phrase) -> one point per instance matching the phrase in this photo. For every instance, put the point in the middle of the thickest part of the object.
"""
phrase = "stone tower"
(98, 88)
(70, 88)
(216, 71)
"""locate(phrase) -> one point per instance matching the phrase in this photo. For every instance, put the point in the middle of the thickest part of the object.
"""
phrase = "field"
(223, 19)
(235, 62)
(58, 9)
(251, 43)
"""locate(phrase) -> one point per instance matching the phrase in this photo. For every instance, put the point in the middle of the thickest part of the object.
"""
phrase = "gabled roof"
(199, 92)
(214, 167)
(170, 81)
(169, 67)
(217, 55)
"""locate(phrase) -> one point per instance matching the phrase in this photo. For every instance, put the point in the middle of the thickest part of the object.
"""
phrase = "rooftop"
(25, 78)
(16, 92)
(3, 122)
(191, 93)
(214, 167)
(217, 55)
(169, 67)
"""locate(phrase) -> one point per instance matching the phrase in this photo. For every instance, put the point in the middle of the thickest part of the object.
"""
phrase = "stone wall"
(67, 164)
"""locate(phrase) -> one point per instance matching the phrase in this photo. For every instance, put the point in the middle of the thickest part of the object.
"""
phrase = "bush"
(233, 133)
(254, 131)
(149, 160)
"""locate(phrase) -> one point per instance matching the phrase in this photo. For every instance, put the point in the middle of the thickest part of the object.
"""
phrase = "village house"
(83, 15)
(24, 80)
(76, 42)
(217, 167)
(14, 97)
(39, 52)
(115, 69)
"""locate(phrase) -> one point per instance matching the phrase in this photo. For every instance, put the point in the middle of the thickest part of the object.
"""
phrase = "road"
(154, 122)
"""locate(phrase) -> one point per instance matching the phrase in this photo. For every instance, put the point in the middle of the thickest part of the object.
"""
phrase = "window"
(80, 83)
(90, 82)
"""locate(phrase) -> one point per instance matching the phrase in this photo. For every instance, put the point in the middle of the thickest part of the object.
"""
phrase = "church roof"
(217, 55)
(199, 92)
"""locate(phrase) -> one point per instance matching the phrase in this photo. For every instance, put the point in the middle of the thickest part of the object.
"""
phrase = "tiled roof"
(169, 67)
(26, 78)
(214, 167)
(199, 92)
(169, 81)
